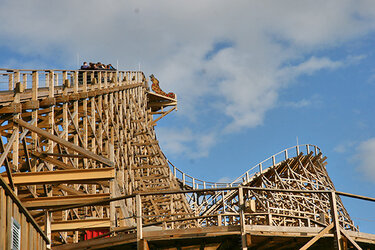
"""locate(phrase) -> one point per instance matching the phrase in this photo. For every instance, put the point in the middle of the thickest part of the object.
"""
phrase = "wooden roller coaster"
(81, 168)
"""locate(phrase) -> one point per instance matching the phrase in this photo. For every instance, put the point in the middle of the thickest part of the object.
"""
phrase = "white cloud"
(225, 180)
(272, 43)
(185, 142)
(314, 64)
(314, 100)
(345, 147)
(366, 158)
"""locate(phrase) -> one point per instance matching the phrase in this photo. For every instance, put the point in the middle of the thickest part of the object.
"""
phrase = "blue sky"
(251, 76)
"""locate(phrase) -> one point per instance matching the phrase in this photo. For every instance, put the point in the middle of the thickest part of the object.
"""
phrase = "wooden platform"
(258, 237)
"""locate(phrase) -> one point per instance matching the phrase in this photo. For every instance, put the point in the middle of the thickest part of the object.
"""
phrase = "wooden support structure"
(79, 149)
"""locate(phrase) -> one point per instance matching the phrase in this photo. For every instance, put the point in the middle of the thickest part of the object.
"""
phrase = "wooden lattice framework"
(79, 149)
(78, 136)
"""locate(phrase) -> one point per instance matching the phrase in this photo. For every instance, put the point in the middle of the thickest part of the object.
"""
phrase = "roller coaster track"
(79, 150)
(260, 175)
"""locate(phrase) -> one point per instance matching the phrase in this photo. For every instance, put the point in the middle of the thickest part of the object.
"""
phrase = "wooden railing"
(35, 84)
(240, 216)
(194, 183)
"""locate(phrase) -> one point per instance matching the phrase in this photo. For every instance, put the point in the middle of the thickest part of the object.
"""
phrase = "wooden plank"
(102, 242)
(74, 225)
(64, 142)
(57, 201)
(64, 176)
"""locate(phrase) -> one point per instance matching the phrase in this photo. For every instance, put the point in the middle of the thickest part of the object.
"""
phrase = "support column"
(335, 220)
(241, 206)
(138, 206)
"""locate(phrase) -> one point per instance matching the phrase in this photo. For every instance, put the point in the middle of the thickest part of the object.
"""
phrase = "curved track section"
(297, 168)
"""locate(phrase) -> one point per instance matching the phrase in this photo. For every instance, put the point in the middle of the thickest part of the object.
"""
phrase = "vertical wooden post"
(241, 206)
(138, 207)
(34, 115)
(172, 210)
(112, 208)
(10, 81)
(335, 220)
(3, 216)
(24, 80)
(34, 98)
(75, 140)
(8, 230)
(17, 100)
(51, 116)
(219, 220)
(51, 144)
(48, 217)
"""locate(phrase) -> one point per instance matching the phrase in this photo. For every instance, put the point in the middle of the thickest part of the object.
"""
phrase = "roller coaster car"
(156, 88)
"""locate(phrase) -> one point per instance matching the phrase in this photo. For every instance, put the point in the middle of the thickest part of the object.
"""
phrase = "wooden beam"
(317, 237)
(57, 201)
(8, 146)
(350, 239)
(64, 176)
(166, 113)
(7, 165)
(355, 196)
(335, 219)
(51, 160)
(77, 225)
(70, 190)
(65, 143)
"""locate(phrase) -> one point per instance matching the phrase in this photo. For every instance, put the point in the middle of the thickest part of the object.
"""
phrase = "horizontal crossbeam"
(80, 176)
(57, 201)
(74, 225)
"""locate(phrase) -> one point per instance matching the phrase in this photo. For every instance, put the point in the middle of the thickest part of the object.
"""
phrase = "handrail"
(26, 77)
(261, 167)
